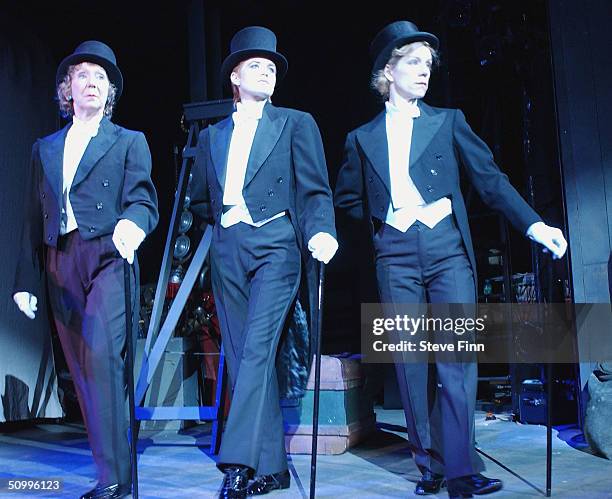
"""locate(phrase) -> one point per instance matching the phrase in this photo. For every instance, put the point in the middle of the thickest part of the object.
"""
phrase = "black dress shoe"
(235, 482)
(114, 491)
(262, 484)
(430, 483)
(466, 486)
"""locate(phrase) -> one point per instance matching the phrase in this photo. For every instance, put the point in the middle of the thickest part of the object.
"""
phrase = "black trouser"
(430, 265)
(86, 290)
(255, 277)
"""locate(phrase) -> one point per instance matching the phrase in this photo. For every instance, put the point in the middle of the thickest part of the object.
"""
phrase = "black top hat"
(96, 53)
(396, 35)
(253, 41)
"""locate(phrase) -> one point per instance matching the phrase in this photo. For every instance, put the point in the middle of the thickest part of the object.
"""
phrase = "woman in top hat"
(91, 203)
(262, 175)
(401, 174)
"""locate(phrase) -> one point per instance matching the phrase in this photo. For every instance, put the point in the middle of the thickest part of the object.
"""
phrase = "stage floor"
(178, 465)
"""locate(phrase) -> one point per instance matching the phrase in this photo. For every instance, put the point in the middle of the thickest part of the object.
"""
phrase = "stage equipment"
(186, 221)
(158, 336)
(181, 247)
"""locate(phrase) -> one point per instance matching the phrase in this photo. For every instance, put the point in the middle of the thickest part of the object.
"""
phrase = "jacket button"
(46, 215)
(92, 229)
(44, 195)
(382, 208)
(377, 195)
(214, 202)
(49, 238)
(99, 206)
(270, 193)
(262, 207)
(105, 183)
(429, 188)
(433, 172)
(370, 179)
(279, 180)
(438, 157)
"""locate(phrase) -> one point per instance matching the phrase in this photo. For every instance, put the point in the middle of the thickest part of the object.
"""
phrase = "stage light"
(186, 221)
(181, 247)
(174, 282)
(187, 201)
(177, 274)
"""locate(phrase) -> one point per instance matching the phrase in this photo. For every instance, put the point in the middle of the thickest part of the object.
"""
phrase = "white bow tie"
(85, 128)
(406, 112)
(246, 115)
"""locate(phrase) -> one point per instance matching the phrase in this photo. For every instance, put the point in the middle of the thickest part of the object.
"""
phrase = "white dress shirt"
(246, 119)
(77, 140)
(407, 205)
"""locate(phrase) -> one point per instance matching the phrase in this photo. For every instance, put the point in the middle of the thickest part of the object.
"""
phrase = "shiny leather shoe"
(466, 486)
(262, 484)
(114, 491)
(235, 482)
(430, 483)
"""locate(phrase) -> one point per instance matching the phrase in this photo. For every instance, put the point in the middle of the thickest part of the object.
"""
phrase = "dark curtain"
(28, 384)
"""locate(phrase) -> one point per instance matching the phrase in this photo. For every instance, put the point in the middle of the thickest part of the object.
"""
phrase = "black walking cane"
(129, 366)
(317, 381)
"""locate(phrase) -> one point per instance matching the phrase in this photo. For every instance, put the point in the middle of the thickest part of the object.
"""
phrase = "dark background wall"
(28, 386)
(583, 79)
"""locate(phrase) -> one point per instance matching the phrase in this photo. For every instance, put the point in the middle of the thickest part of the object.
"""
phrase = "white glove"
(26, 302)
(550, 237)
(127, 237)
(323, 247)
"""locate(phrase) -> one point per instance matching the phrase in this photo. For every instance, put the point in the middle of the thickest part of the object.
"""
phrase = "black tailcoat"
(442, 144)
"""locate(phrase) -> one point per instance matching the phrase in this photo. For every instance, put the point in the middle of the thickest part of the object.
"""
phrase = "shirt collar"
(408, 110)
(89, 127)
(252, 111)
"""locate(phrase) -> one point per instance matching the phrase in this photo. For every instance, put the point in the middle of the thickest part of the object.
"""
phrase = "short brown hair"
(379, 81)
(64, 98)
(235, 89)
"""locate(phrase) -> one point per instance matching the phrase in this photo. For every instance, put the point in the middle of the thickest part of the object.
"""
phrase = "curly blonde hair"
(64, 97)
(379, 81)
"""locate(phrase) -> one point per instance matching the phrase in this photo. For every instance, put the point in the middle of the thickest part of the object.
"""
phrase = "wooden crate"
(346, 414)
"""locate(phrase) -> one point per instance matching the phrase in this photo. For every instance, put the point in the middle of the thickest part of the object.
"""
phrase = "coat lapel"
(52, 159)
(268, 132)
(220, 135)
(373, 140)
(98, 146)
(424, 129)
